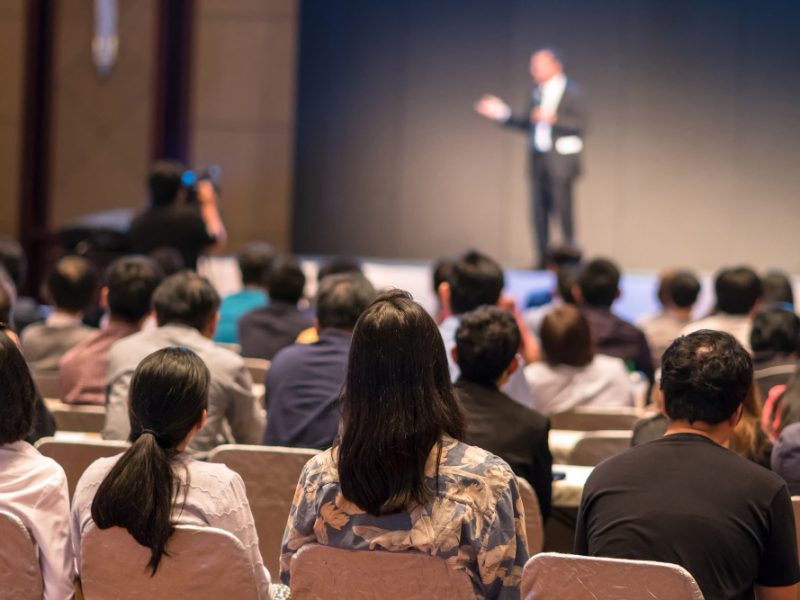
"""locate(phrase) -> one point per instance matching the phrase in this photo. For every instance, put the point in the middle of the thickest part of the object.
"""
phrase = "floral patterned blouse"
(475, 521)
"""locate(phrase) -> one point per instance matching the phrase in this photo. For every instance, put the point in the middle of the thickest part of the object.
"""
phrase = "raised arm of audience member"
(209, 211)
(529, 347)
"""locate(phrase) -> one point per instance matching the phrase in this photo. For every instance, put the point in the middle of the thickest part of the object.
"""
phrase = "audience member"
(596, 290)
(186, 310)
(264, 331)
(339, 265)
(169, 259)
(71, 286)
(170, 221)
(566, 278)
(557, 258)
(738, 292)
(476, 280)
(26, 309)
(776, 288)
(440, 272)
(782, 406)
(775, 340)
(399, 479)
(305, 380)
(154, 484)
(571, 374)
(726, 520)
(32, 487)
(128, 293)
(677, 293)
(487, 341)
(254, 260)
(786, 457)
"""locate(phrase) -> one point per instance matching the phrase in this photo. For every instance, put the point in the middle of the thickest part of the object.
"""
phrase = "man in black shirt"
(487, 341)
(684, 498)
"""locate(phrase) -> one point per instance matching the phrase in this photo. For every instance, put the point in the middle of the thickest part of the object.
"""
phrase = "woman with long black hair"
(398, 478)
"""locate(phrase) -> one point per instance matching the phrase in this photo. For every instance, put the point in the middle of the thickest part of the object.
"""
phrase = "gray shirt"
(233, 411)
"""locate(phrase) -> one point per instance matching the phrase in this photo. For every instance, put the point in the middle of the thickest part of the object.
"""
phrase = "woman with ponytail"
(154, 485)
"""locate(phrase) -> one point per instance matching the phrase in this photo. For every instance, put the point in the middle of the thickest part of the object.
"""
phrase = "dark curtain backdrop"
(692, 156)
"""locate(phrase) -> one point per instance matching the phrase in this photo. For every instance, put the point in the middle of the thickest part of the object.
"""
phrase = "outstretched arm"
(497, 110)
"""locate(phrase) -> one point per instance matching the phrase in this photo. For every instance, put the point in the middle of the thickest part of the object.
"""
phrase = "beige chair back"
(204, 563)
(553, 576)
(48, 383)
(20, 573)
(75, 456)
(595, 419)
(596, 446)
(534, 530)
(319, 572)
(77, 417)
(270, 475)
(258, 368)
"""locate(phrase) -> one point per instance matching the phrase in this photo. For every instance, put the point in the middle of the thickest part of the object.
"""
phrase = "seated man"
(685, 498)
(264, 331)
(71, 287)
(487, 341)
(26, 309)
(596, 290)
(186, 311)
(254, 260)
(128, 294)
(304, 381)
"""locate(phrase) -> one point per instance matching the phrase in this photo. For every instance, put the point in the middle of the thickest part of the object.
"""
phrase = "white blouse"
(215, 497)
(34, 488)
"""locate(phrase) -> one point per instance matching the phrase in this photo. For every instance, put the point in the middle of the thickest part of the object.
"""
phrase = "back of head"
(72, 283)
(777, 289)
(775, 330)
(738, 289)
(599, 283)
(560, 256)
(441, 271)
(341, 299)
(168, 394)
(396, 405)
(705, 376)
(683, 289)
(255, 260)
(566, 338)
(475, 280)
(169, 259)
(18, 396)
(12, 259)
(339, 265)
(164, 181)
(566, 277)
(186, 298)
(487, 340)
(131, 281)
(286, 280)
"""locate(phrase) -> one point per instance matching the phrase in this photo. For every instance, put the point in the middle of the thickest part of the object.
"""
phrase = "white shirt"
(739, 326)
(551, 92)
(604, 382)
(34, 488)
(215, 497)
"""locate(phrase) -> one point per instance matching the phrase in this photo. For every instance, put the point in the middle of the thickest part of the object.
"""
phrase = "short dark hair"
(705, 376)
(131, 281)
(165, 181)
(776, 288)
(556, 53)
(599, 283)
(558, 256)
(441, 270)
(775, 330)
(566, 337)
(168, 258)
(338, 265)
(255, 260)
(286, 280)
(475, 280)
(487, 340)
(6, 301)
(683, 289)
(185, 298)
(738, 289)
(72, 283)
(341, 299)
(566, 277)
(18, 400)
(12, 259)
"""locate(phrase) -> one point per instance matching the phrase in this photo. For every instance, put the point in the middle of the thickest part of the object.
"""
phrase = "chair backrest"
(204, 563)
(596, 446)
(20, 572)
(553, 576)
(77, 417)
(270, 475)
(258, 368)
(595, 419)
(323, 572)
(75, 456)
(534, 530)
(48, 383)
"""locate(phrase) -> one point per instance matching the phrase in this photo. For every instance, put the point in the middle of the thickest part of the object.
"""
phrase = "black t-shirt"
(686, 500)
(175, 226)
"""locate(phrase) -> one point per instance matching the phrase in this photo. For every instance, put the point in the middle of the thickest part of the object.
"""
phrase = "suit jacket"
(264, 331)
(513, 432)
(616, 337)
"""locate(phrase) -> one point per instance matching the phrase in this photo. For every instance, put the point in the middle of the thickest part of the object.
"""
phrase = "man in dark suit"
(487, 341)
(555, 123)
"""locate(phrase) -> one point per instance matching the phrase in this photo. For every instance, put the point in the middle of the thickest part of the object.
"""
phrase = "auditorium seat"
(202, 563)
(47, 383)
(258, 368)
(534, 529)
(594, 418)
(20, 573)
(323, 572)
(596, 446)
(77, 417)
(553, 576)
(270, 475)
(75, 456)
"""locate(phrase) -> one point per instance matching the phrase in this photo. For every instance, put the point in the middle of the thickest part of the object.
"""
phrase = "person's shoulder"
(32, 332)
(95, 473)
(609, 364)
(460, 460)
(321, 469)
